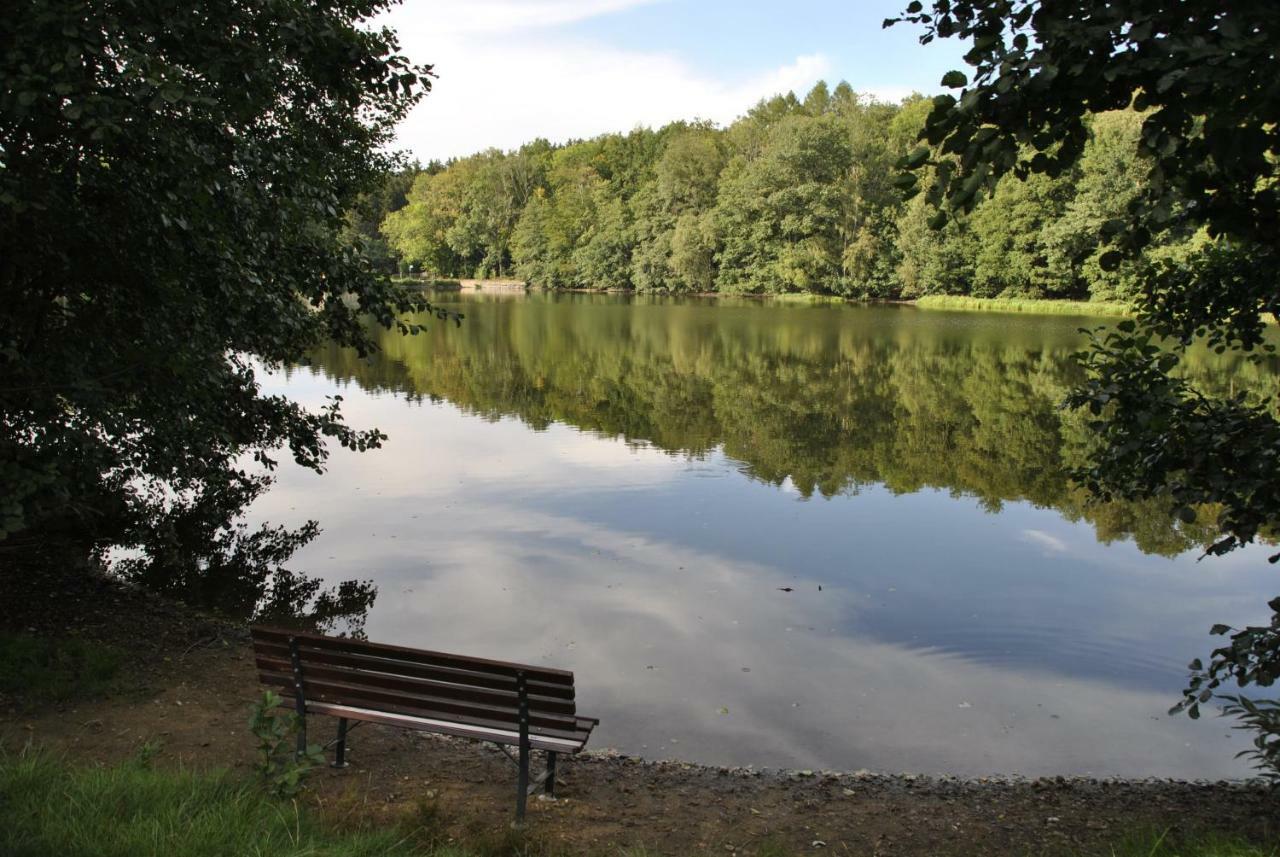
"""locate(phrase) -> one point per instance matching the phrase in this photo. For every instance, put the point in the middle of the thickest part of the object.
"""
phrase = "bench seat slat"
(341, 694)
(280, 651)
(424, 687)
(426, 724)
(418, 656)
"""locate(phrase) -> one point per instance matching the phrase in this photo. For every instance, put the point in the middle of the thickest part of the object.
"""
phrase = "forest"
(796, 196)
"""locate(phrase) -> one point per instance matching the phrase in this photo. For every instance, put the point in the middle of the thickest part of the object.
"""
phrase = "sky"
(513, 70)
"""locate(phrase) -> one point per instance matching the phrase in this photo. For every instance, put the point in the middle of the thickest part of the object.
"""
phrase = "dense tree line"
(795, 196)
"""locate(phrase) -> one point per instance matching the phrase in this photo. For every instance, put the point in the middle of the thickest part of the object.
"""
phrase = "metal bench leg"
(522, 779)
(299, 698)
(550, 781)
(340, 755)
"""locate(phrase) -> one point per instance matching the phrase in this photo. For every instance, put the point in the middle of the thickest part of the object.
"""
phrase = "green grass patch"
(1165, 844)
(1027, 305)
(804, 298)
(36, 669)
(791, 297)
(132, 810)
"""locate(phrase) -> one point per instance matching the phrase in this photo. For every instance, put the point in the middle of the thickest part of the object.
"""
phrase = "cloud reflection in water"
(942, 640)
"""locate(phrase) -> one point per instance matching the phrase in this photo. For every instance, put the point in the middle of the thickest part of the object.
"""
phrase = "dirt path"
(190, 683)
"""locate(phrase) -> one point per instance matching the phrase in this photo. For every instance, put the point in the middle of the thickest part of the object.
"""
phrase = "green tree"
(602, 258)
(684, 186)
(551, 230)
(497, 186)
(779, 213)
(870, 254)
(933, 261)
(1112, 176)
(818, 101)
(172, 201)
(693, 248)
(419, 231)
(1011, 258)
(531, 249)
(364, 218)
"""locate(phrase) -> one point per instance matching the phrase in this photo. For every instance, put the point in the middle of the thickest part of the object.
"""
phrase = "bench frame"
(518, 737)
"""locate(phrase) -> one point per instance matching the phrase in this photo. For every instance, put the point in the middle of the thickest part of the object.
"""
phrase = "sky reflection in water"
(945, 637)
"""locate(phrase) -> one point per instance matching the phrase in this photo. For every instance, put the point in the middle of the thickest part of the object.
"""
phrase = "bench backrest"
(436, 685)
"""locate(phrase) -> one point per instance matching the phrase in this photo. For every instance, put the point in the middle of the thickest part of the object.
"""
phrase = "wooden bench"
(527, 707)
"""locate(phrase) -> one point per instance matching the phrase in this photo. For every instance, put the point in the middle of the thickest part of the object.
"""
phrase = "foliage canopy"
(173, 186)
(798, 195)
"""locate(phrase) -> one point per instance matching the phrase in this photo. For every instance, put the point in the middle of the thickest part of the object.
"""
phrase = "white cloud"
(1045, 540)
(504, 16)
(505, 77)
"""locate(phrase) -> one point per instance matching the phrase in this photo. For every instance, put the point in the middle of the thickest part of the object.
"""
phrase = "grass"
(1027, 305)
(50, 807)
(131, 810)
(802, 298)
(38, 669)
(1165, 844)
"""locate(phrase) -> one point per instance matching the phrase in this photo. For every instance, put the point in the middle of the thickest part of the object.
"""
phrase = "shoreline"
(935, 303)
(921, 781)
(959, 303)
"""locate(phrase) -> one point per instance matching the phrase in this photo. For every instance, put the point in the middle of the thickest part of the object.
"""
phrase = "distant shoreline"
(1030, 306)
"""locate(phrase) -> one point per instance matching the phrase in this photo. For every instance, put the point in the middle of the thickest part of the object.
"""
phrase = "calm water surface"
(802, 536)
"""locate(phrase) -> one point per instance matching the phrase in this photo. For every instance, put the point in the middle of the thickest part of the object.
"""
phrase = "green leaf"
(955, 79)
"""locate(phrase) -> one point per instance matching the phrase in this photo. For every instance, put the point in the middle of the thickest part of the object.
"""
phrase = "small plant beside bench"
(509, 704)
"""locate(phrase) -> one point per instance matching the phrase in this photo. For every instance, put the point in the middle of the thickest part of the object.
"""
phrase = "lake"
(808, 536)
